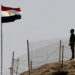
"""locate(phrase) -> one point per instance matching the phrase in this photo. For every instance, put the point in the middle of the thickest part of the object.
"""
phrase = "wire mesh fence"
(41, 53)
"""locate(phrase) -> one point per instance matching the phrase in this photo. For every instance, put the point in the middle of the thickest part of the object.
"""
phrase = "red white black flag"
(10, 14)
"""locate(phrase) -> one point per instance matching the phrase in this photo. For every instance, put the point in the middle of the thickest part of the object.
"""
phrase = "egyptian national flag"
(10, 14)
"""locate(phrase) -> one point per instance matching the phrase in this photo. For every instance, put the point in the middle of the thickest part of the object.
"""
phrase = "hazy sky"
(41, 19)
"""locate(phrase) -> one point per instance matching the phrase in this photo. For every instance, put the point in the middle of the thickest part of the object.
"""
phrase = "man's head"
(72, 31)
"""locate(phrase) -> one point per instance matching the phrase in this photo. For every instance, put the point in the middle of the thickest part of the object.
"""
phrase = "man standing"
(72, 42)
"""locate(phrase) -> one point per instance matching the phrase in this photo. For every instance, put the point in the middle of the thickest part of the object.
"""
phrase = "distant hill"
(52, 68)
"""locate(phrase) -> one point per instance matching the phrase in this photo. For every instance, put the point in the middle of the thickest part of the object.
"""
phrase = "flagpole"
(1, 52)
(1, 47)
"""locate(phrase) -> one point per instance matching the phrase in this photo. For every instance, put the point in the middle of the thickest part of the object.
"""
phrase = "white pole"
(1, 52)
(1, 46)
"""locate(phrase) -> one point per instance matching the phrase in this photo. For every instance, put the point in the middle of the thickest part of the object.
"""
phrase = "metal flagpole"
(1, 52)
(1, 46)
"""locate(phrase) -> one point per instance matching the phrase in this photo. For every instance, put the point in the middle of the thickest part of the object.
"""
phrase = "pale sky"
(41, 19)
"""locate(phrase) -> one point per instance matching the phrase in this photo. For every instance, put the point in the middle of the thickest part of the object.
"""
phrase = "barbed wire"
(48, 56)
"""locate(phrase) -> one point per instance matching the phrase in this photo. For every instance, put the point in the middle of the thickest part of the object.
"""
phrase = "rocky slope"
(53, 68)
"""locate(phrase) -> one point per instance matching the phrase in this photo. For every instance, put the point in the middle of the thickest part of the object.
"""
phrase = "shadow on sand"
(60, 73)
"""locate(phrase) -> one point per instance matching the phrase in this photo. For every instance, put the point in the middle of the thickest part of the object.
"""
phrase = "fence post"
(17, 66)
(28, 57)
(10, 70)
(31, 65)
(60, 52)
(12, 63)
(62, 55)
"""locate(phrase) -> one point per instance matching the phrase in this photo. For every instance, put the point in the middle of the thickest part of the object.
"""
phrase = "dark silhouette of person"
(72, 42)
